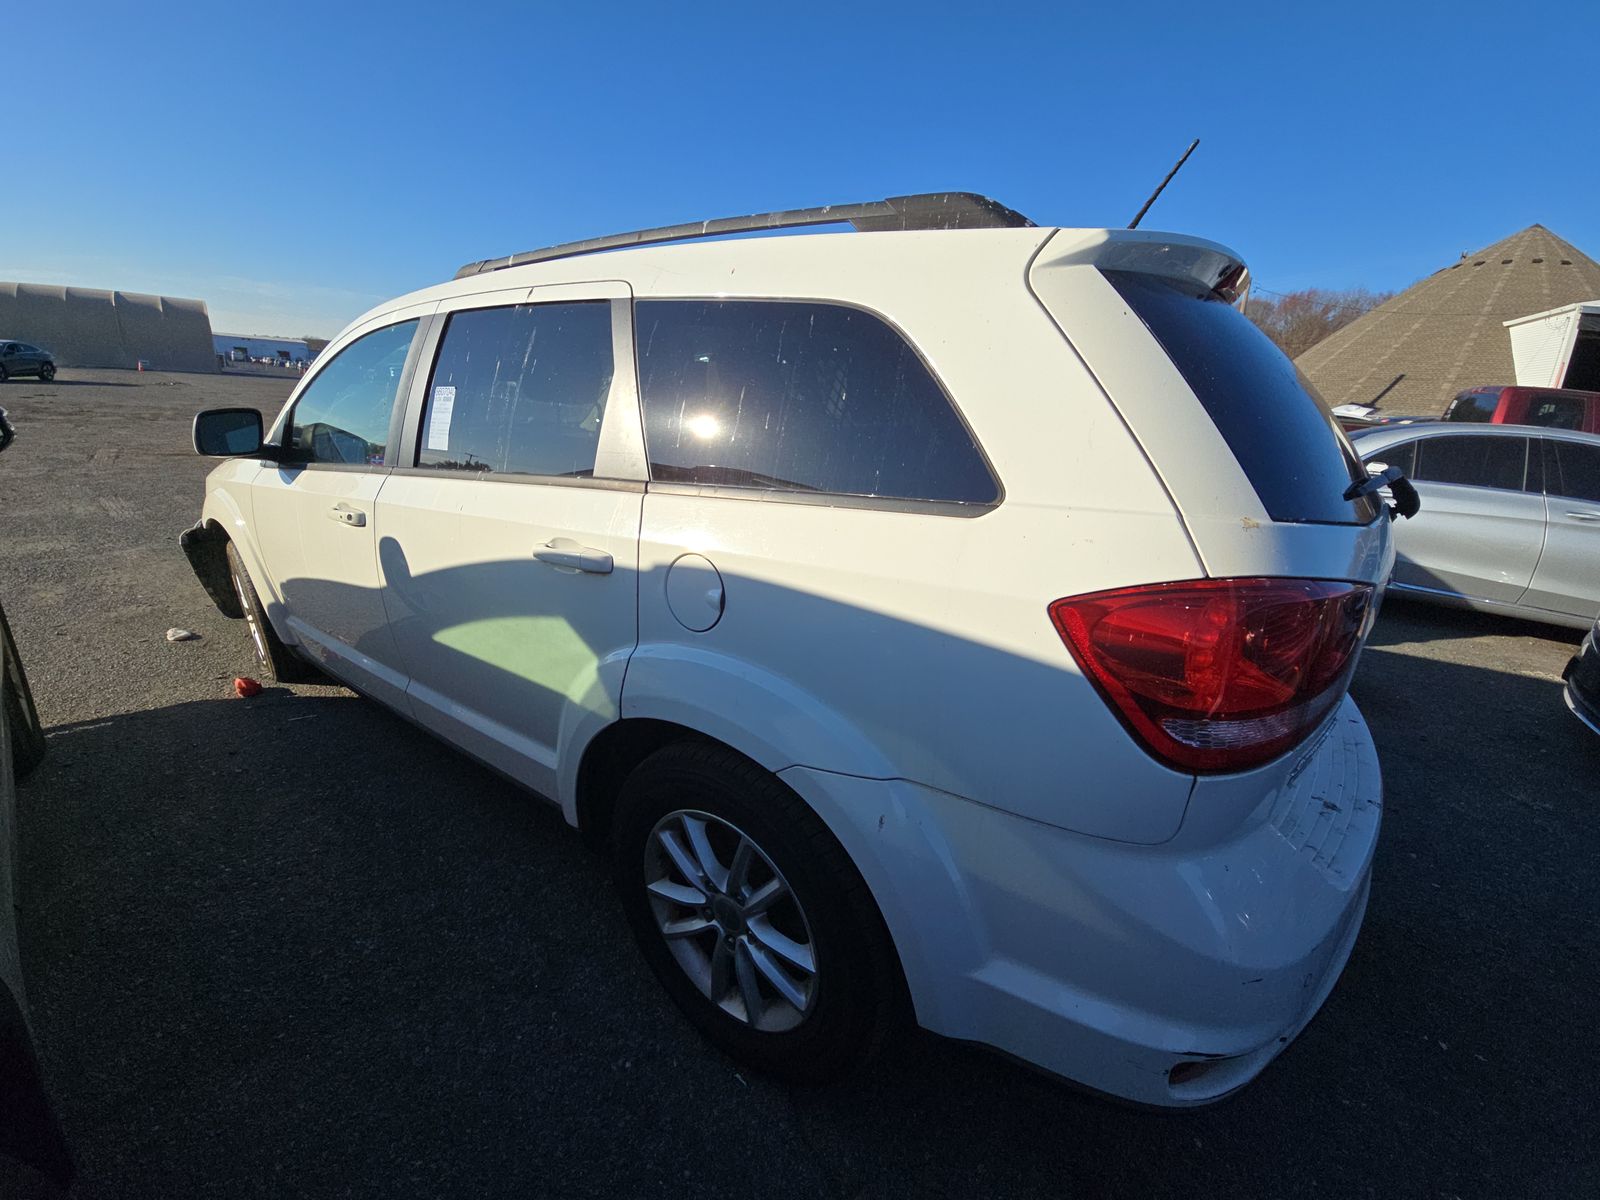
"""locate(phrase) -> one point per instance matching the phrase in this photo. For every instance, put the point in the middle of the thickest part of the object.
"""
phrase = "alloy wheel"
(250, 620)
(731, 920)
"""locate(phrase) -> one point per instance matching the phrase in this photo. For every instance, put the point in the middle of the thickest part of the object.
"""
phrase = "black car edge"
(1583, 680)
(29, 1131)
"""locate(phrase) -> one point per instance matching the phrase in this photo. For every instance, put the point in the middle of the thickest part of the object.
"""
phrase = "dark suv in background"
(23, 358)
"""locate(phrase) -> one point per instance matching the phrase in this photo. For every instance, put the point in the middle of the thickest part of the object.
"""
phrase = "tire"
(818, 1026)
(22, 718)
(274, 660)
(3, 375)
(47, 372)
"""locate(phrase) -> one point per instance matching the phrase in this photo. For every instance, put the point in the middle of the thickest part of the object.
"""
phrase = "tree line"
(1297, 321)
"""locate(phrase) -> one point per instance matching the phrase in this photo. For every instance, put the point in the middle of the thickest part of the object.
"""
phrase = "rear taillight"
(1219, 674)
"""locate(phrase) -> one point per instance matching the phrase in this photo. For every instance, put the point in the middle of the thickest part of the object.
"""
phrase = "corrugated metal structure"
(1559, 348)
(1446, 333)
(84, 327)
(247, 346)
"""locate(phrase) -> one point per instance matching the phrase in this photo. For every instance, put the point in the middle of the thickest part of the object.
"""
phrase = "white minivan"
(950, 619)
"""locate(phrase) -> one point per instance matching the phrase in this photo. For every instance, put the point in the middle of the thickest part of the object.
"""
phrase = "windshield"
(1472, 406)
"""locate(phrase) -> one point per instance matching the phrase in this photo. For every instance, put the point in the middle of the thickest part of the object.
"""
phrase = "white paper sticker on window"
(444, 403)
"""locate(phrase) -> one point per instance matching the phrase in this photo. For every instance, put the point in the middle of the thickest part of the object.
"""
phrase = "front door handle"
(566, 555)
(1584, 516)
(346, 515)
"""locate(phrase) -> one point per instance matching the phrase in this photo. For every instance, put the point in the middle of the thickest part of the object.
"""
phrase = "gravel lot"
(292, 946)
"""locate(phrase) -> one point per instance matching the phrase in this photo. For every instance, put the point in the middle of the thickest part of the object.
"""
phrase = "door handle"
(567, 555)
(1584, 516)
(346, 515)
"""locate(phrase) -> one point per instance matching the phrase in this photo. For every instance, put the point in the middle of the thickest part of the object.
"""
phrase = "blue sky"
(294, 164)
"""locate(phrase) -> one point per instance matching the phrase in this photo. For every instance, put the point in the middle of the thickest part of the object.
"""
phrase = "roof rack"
(930, 210)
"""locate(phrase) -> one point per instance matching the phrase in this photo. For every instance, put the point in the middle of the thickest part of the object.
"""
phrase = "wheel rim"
(249, 610)
(48, 371)
(731, 920)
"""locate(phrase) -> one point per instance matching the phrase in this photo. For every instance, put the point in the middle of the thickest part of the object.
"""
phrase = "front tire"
(752, 916)
(274, 659)
(47, 372)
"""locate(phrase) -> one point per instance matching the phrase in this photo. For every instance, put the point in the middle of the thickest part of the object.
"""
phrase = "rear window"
(1477, 407)
(1555, 412)
(800, 397)
(1286, 440)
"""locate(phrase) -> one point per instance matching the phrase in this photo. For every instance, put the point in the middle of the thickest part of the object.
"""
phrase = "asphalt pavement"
(291, 946)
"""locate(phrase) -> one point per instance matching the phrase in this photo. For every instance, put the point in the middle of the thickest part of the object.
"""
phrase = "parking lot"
(292, 946)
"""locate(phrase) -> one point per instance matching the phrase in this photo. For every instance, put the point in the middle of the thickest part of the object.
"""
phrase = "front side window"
(798, 396)
(343, 414)
(519, 390)
(1489, 462)
(1572, 469)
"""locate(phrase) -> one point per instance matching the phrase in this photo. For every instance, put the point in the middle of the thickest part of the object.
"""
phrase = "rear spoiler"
(1212, 266)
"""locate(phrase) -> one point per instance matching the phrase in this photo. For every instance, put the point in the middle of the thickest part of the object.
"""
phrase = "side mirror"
(227, 432)
(1406, 502)
(6, 432)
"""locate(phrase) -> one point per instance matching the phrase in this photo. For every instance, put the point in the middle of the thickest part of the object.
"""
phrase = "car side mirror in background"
(1404, 499)
(226, 432)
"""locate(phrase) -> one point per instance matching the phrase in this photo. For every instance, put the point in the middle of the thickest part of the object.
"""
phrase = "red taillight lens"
(1219, 674)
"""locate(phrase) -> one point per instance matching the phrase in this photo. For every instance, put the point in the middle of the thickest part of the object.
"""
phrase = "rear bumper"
(1112, 964)
(1582, 692)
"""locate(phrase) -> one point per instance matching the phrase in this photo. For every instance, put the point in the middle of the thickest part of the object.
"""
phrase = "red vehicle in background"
(1553, 408)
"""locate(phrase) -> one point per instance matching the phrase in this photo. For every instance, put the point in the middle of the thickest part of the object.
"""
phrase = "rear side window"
(799, 397)
(1555, 412)
(519, 390)
(1572, 469)
(1477, 407)
(1489, 462)
(1280, 431)
(343, 414)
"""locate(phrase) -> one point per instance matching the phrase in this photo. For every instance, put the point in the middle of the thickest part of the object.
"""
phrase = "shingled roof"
(1445, 333)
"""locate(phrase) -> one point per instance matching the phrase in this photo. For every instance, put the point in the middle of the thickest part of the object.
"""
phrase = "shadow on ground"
(293, 946)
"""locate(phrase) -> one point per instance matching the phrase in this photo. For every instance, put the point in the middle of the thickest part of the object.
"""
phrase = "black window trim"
(397, 406)
(947, 508)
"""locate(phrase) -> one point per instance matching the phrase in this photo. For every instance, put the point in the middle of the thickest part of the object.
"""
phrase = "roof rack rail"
(929, 210)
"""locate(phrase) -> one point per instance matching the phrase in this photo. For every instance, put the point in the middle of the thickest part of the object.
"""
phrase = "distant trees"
(1299, 320)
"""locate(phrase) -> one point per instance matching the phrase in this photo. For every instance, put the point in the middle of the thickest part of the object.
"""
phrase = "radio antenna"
(1134, 224)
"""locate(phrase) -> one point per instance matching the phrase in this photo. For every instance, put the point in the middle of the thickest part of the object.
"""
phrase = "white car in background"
(1510, 521)
(952, 617)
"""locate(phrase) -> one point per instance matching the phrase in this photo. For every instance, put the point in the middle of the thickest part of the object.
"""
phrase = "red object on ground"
(246, 687)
